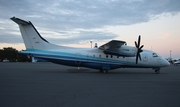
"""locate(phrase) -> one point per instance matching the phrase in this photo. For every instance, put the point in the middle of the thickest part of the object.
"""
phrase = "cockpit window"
(155, 55)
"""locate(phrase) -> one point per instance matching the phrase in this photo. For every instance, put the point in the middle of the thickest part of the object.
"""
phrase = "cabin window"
(106, 56)
(99, 56)
(111, 56)
(93, 55)
(155, 55)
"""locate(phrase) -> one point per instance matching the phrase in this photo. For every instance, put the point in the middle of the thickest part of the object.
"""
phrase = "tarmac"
(52, 85)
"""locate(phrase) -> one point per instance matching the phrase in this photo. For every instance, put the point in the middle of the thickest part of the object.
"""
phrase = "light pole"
(170, 55)
(91, 43)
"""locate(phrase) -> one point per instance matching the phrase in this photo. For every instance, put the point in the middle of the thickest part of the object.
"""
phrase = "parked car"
(5, 60)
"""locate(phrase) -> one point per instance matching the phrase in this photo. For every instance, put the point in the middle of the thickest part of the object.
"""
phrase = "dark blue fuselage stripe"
(62, 57)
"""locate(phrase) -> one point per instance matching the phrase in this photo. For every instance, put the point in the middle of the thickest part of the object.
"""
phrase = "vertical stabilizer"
(31, 36)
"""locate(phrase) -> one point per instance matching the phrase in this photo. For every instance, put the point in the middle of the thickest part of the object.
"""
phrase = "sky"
(77, 22)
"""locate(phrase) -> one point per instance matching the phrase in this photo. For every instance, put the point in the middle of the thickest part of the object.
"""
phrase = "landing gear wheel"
(157, 71)
(105, 71)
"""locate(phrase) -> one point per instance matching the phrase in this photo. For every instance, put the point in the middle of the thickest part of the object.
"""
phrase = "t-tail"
(31, 37)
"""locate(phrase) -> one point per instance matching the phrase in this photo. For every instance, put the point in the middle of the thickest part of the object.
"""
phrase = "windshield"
(155, 55)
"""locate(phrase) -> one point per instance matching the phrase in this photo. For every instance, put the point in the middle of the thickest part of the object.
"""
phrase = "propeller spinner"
(139, 49)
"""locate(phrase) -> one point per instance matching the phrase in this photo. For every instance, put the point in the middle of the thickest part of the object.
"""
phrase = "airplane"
(112, 55)
(177, 62)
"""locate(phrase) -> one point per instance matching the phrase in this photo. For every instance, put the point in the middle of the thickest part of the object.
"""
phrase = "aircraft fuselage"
(95, 58)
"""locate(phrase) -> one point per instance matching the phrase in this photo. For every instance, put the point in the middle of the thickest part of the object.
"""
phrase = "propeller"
(139, 49)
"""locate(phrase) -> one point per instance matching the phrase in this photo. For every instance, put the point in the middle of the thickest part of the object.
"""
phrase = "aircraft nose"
(165, 62)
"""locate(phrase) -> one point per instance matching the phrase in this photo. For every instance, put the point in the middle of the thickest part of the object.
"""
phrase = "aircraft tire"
(157, 72)
(105, 71)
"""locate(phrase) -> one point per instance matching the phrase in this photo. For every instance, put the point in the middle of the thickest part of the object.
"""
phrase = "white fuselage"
(95, 58)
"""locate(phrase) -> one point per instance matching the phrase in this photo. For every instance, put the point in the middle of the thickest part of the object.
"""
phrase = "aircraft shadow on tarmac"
(77, 70)
(120, 71)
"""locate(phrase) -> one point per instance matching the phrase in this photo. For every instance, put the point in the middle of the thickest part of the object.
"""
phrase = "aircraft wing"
(112, 47)
(114, 44)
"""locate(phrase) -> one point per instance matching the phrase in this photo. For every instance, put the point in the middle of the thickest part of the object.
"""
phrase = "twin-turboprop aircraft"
(112, 55)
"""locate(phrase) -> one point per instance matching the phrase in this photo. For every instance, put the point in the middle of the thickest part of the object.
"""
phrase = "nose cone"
(165, 63)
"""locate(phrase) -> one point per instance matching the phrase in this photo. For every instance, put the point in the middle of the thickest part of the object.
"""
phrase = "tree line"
(13, 55)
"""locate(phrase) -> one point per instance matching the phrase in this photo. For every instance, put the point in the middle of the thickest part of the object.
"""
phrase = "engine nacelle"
(124, 51)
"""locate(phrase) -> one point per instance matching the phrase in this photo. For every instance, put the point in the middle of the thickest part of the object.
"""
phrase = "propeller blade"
(139, 40)
(139, 49)
(136, 44)
(136, 58)
(139, 56)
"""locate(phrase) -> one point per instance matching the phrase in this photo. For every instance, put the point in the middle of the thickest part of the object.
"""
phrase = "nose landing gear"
(157, 70)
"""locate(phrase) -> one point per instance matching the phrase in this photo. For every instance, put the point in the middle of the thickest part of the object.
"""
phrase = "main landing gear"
(104, 71)
(157, 71)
